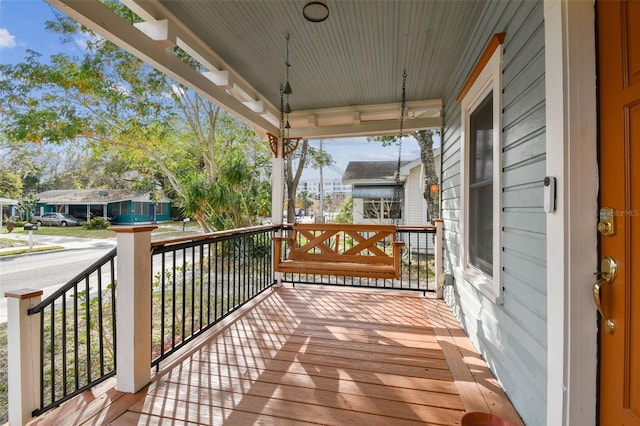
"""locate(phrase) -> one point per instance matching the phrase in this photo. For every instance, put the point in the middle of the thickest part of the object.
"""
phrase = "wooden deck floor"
(313, 356)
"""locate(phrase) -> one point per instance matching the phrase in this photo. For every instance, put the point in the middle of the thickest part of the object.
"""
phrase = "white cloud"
(82, 40)
(6, 39)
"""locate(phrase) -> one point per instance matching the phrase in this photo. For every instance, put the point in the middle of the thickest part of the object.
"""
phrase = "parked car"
(57, 219)
(83, 216)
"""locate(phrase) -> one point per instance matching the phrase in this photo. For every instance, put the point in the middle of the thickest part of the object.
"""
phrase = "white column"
(438, 260)
(277, 196)
(133, 307)
(277, 191)
(277, 185)
(23, 350)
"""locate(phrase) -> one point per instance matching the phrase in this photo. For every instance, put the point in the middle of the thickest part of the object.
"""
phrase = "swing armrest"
(277, 249)
(397, 254)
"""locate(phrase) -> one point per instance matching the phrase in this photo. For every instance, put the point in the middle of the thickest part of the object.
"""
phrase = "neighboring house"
(7, 209)
(526, 92)
(376, 195)
(123, 205)
(374, 191)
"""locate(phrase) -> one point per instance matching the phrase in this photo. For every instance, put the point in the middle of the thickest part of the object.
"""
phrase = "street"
(48, 270)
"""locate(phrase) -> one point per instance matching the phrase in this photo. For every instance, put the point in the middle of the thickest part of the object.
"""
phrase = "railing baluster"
(88, 326)
(64, 345)
(100, 323)
(76, 360)
(163, 300)
(193, 289)
(53, 352)
(173, 303)
(215, 304)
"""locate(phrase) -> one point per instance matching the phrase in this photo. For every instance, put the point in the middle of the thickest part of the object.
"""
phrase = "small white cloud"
(83, 39)
(6, 39)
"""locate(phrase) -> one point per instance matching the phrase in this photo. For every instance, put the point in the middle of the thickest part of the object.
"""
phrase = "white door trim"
(570, 73)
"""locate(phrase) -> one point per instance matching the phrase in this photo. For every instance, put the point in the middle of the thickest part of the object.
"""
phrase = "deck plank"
(312, 355)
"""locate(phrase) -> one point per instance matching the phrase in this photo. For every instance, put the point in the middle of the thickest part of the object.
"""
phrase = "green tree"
(136, 123)
(305, 156)
(307, 200)
(10, 184)
(345, 215)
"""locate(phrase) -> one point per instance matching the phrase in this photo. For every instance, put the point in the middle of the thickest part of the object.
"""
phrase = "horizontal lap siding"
(511, 336)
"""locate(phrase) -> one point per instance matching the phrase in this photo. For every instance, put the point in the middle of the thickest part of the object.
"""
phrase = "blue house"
(122, 206)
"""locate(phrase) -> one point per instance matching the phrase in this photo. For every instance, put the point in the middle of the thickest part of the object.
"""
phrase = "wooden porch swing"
(317, 249)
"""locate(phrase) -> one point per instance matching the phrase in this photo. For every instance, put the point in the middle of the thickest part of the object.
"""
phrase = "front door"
(619, 89)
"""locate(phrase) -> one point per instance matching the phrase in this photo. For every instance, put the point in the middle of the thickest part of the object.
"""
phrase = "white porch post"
(133, 307)
(571, 131)
(277, 186)
(23, 350)
(438, 258)
(277, 195)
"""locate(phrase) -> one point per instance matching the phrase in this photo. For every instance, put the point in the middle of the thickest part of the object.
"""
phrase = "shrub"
(96, 223)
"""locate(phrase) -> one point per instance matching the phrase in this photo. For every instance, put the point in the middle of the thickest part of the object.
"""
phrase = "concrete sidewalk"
(53, 240)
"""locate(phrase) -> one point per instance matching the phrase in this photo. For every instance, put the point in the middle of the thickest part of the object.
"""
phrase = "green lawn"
(78, 231)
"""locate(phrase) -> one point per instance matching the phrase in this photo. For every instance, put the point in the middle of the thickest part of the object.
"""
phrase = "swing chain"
(397, 192)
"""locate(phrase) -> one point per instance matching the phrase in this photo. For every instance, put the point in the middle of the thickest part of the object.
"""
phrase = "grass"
(79, 232)
(70, 231)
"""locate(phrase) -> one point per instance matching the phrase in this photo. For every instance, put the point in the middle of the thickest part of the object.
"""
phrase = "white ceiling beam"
(219, 78)
(365, 113)
(271, 118)
(255, 106)
(102, 20)
(139, 10)
(370, 128)
(159, 31)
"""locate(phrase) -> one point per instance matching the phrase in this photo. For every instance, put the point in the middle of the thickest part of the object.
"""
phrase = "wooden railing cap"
(25, 293)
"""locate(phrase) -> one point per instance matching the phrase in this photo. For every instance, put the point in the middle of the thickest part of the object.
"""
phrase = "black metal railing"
(418, 269)
(77, 334)
(198, 282)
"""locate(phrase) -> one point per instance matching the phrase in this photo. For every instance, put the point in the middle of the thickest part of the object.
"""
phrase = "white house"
(539, 106)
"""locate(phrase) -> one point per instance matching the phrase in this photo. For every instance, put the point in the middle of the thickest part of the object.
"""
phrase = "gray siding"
(511, 336)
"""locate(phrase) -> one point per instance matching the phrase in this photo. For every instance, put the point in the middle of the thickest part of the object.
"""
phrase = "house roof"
(92, 196)
(346, 72)
(371, 172)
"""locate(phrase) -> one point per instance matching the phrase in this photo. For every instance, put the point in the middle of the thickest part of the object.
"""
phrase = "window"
(380, 209)
(162, 209)
(120, 208)
(481, 187)
(141, 209)
(480, 200)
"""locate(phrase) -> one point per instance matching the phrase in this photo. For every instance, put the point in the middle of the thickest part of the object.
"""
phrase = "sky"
(22, 28)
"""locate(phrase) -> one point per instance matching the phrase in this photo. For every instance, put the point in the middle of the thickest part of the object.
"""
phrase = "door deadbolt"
(605, 224)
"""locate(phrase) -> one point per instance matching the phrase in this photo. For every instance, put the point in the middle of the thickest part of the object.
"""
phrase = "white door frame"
(570, 74)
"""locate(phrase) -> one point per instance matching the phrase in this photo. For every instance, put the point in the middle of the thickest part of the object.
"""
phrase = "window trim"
(486, 78)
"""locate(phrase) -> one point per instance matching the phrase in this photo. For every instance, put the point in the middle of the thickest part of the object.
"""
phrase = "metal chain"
(281, 111)
(397, 192)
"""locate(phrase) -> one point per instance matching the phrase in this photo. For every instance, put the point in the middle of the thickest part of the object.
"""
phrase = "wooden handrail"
(216, 234)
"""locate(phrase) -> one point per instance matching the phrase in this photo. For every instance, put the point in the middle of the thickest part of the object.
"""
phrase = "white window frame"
(489, 80)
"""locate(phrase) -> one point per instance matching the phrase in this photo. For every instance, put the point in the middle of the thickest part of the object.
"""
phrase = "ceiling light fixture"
(315, 10)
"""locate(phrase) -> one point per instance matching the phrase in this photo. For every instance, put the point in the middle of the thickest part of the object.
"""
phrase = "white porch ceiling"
(346, 72)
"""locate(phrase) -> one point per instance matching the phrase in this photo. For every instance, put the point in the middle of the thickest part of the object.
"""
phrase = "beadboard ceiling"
(346, 72)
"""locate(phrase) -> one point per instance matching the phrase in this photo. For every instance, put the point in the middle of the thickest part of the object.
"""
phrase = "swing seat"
(339, 249)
